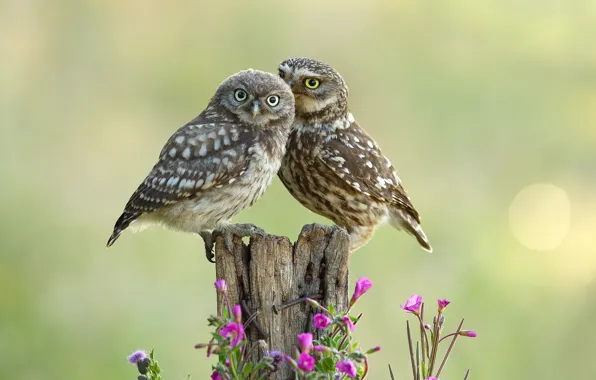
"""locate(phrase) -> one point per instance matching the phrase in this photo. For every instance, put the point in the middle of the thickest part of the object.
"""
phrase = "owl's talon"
(209, 242)
(243, 230)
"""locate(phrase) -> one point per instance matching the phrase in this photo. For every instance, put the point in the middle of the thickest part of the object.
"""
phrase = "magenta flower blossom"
(413, 304)
(348, 323)
(468, 333)
(235, 331)
(373, 350)
(321, 321)
(322, 349)
(346, 367)
(442, 304)
(237, 310)
(362, 286)
(305, 341)
(306, 362)
(432, 378)
(137, 356)
(221, 285)
(216, 376)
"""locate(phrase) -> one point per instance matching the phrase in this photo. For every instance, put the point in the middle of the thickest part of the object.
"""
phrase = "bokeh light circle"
(539, 216)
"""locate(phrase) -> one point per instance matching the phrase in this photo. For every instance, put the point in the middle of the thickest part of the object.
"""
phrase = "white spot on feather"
(216, 144)
(172, 181)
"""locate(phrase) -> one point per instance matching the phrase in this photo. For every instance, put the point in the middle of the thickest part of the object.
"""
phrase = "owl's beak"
(255, 109)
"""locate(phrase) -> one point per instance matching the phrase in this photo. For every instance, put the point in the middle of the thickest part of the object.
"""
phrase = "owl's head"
(257, 98)
(315, 84)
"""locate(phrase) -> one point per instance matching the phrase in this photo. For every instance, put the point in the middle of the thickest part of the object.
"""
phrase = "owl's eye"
(240, 95)
(312, 83)
(273, 100)
(282, 73)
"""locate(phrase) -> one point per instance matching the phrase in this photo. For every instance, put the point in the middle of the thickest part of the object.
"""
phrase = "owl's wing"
(208, 152)
(354, 156)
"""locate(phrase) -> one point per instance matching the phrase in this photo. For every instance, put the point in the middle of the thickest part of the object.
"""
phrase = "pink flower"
(442, 304)
(322, 349)
(216, 376)
(413, 304)
(221, 286)
(346, 367)
(237, 310)
(137, 356)
(321, 321)
(235, 331)
(362, 286)
(348, 323)
(305, 341)
(306, 362)
(432, 378)
(468, 333)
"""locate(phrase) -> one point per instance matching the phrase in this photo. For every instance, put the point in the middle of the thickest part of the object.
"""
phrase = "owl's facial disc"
(312, 91)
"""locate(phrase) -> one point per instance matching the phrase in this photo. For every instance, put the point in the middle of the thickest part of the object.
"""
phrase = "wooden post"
(271, 272)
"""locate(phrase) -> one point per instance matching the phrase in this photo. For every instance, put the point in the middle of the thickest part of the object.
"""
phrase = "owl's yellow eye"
(312, 83)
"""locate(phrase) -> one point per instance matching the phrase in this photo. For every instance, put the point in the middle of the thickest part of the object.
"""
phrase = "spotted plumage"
(332, 166)
(219, 163)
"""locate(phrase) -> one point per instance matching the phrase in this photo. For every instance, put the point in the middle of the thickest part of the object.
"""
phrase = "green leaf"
(328, 365)
(246, 370)
(331, 309)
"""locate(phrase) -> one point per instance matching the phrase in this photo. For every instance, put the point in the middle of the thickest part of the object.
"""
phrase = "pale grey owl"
(219, 163)
(333, 167)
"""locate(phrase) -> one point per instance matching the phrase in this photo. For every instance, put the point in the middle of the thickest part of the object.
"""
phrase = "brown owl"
(332, 166)
(217, 164)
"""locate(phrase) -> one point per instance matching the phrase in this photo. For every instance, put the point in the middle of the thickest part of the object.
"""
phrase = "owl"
(218, 164)
(333, 167)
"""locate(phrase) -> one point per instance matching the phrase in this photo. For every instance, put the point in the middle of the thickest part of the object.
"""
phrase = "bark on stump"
(270, 271)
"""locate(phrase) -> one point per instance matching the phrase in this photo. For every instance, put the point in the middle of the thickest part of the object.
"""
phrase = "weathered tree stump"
(270, 272)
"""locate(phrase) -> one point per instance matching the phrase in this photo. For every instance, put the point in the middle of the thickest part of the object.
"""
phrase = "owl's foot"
(209, 241)
(228, 232)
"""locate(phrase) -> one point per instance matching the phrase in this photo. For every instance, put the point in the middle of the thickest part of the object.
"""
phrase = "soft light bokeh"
(474, 101)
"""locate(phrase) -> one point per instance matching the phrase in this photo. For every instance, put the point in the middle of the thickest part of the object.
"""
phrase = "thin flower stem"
(423, 336)
(357, 319)
(230, 313)
(411, 350)
(233, 367)
(467, 373)
(391, 373)
(450, 347)
(365, 368)
(417, 361)
(446, 336)
(422, 340)
(435, 342)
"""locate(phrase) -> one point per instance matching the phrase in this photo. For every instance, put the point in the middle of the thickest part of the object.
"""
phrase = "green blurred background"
(476, 102)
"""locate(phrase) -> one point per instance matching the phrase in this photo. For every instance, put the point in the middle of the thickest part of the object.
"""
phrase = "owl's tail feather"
(403, 221)
(121, 224)
(416, 231)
